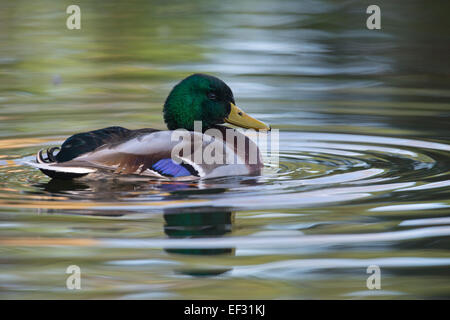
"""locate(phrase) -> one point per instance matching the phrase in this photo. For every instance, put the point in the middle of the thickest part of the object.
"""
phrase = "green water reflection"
(364, 148)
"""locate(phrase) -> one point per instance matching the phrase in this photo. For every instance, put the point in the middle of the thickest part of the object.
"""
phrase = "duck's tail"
(47, 163)
(50, 155)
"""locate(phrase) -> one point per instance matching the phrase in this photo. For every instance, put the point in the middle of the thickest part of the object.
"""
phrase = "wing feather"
(140, 152)
(134, 156)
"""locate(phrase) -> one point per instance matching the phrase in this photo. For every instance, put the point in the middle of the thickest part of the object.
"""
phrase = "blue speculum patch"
(169, 168)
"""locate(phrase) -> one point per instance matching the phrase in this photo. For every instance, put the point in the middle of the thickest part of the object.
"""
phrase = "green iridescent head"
(204, 98)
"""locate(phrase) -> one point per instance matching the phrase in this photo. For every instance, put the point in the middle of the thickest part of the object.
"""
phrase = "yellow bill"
(239, 118)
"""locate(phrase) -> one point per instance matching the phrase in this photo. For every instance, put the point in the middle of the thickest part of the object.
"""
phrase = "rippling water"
(364, 151)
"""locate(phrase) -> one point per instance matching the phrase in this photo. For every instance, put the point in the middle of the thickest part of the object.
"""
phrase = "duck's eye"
(212, 96)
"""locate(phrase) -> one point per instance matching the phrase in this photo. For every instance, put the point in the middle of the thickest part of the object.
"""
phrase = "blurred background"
(364, 144)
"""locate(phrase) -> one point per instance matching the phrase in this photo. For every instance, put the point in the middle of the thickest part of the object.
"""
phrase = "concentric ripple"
(318, 158)
(336, 204)
(314, 168)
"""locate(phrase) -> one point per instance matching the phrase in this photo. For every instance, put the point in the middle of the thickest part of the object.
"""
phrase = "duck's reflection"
(187, 222)
(209, 222)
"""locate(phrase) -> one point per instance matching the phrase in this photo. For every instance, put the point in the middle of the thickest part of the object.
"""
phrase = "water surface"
(364, 169)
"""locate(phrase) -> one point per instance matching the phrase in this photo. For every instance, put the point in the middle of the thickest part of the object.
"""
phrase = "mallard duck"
(148, 153)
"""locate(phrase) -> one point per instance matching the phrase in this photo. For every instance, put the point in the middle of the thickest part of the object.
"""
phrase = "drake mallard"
(148, 152)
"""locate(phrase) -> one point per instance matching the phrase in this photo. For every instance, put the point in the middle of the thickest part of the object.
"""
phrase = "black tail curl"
(50, 156)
